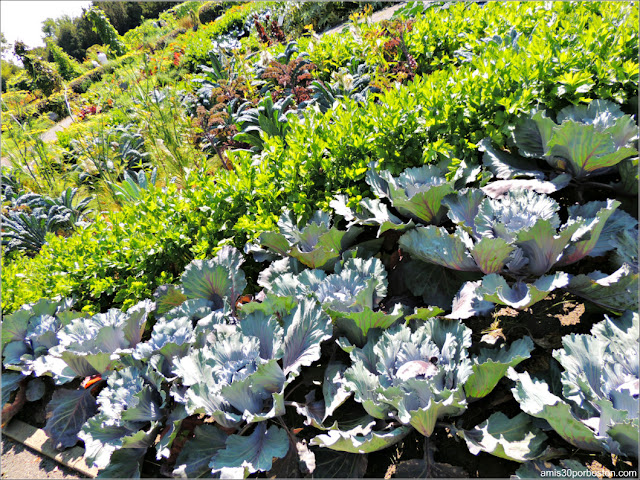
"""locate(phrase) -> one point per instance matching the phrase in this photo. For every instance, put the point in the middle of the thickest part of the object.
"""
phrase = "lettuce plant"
(596, 408)
(518, 236)
(316, 245)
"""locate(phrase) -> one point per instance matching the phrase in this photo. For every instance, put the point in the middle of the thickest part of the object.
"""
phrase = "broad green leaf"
(194, 458)
(499, 188)
(254, 452)
(275, 241)
(505, 166)
(618, 291)
(593, 217)
(361, 439)
(435, 245)
(533, 134)
(267, 330)
(35, 389)
(584, 149)
(124, 463)
(494, 288)
(304, 329)
(216, 279)
(511, 438)
(168, 297)
(335, 464)
(10, 383)
(536, 400)
(542, 247)
(374, 212)
(356, 325)
(492, 364)
(491, 254)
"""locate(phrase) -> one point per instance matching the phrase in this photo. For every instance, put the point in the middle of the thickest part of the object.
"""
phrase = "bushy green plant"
(67, 66)
(435, 118)
(44, 77)
(108, 34)
(210, 11)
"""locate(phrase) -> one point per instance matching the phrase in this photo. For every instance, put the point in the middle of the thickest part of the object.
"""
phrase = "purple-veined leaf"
(617, 291)
(506, 166)
(499, 188)
(305, 329)
(491, 254)
(194, 458)
(593, 217)
(360, 439)
(216, 279)
(67, 411)
(514, 438)
(491, 364)
(468, 302)
(435, 245)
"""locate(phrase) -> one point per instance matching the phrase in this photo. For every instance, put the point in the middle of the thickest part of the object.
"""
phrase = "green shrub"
(44, 77)
(184, 9)
(68, 68)
(82, 83)
(461, 98)
(118, 258)
(209, 11)
(18, 82)
(108, 34)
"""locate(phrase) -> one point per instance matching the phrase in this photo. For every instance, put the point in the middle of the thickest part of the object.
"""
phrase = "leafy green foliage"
(67, 66)
(597, 409)
(108, 35)
(28, 217)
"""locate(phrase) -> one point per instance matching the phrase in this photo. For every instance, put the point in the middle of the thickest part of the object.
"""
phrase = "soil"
(19, 461)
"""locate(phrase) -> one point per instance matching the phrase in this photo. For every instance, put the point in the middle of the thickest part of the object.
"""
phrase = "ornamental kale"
(597, 408)
(316, 245)
(586, 141)
(518, 235)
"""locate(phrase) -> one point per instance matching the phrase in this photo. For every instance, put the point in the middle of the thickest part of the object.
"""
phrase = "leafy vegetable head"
(29, 333)
(91, 346)
(316, 245)
(585, 141)
(420, 375)
(597, 407)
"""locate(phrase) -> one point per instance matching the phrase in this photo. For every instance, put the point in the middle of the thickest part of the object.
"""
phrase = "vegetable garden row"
(274, 253)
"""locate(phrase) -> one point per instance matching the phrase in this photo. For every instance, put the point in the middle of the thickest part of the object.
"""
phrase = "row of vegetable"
(299, 341)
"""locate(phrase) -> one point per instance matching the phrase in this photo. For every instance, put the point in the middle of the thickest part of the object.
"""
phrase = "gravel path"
(50, 135)
(19, 461)
(375, 18)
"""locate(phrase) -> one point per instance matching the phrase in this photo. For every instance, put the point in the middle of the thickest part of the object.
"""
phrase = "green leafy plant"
(108, 34)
